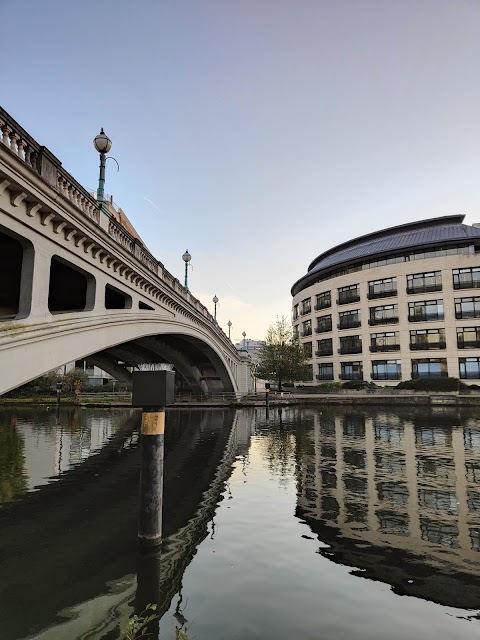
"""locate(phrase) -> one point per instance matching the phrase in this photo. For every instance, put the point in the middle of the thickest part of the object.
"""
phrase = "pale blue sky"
(255, 133)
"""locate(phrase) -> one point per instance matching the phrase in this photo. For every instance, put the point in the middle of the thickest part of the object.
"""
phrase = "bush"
(359, 384)
(432, 384)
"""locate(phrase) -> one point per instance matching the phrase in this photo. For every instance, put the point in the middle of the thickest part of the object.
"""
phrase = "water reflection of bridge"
(397, 496)
(71, 546)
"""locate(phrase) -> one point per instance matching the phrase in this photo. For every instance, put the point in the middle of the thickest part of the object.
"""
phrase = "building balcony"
(374, 295)
(322, 305)
(304, 312)
(349, 324)
(427, 288)
(351, 349)
(466, 315)
(440, 374)
(373, 322)
(351, 376)
(324, 376)
(354, 297)
(306, 332)
(424, 318)
(325, 352)
(467, 284)
(323, 329)
(388, 375)
(468, 344)
(415, 346)
(374, 348)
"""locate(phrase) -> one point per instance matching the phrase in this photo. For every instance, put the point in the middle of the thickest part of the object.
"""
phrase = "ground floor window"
(469, 368)
(351, 371)
(429, 368)
(325, 371)
(386, 370)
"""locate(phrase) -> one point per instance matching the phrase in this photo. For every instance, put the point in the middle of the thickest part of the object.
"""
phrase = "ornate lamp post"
(186, 258)
(229, 323)
(102, 144)
(244, 340)
(215, 300)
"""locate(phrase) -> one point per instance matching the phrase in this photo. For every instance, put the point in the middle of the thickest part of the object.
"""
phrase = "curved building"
(394, 305)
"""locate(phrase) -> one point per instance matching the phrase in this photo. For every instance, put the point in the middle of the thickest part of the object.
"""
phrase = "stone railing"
(42, 161)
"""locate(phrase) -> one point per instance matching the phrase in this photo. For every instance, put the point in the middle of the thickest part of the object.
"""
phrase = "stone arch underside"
(194, 353)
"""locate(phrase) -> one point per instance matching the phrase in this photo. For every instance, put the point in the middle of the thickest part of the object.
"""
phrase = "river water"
(314, 524)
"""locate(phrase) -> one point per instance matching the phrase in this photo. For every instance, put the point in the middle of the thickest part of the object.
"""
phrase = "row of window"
(418, 311)
(438, 252)
(420, 339)
(427, 282)
(469, 368)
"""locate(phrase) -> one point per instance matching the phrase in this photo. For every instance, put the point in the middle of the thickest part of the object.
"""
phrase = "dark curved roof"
(444, 230)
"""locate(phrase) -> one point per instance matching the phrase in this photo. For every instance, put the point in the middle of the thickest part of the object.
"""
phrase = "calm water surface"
(316, 524)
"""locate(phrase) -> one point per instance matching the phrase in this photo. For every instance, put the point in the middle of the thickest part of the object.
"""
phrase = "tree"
(282, 359)
(75, 380)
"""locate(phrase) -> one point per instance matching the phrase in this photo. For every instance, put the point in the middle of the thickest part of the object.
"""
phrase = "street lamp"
(102, 144)
(244, 341)
(186, 258)
(229, 323)
(215, 300)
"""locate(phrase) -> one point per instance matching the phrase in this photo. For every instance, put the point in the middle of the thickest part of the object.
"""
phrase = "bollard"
(153, 391)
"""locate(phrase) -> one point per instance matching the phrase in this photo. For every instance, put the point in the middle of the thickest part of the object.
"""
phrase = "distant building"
(252, 347)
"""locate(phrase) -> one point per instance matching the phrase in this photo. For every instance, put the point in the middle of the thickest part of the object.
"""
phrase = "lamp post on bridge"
(229, 323)
(186, 258)
(244, 339)
(102, 144)
(215, 300)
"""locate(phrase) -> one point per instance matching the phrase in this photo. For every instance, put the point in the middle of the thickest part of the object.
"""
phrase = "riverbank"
(340, 398)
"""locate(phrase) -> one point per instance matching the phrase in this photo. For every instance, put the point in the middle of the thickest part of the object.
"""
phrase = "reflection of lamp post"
(186, 258)
(215, 300)
(229, 323)
(102, 144)
(244, 341)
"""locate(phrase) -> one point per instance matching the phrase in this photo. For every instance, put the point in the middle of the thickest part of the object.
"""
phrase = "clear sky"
(255, 133)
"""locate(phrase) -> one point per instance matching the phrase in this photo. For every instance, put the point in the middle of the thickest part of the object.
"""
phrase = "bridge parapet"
(38, 159)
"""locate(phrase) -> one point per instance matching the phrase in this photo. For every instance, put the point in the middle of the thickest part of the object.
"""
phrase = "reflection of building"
(402, 485)
(393, 305)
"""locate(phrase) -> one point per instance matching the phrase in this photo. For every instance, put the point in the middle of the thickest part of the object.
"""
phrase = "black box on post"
(153, 388)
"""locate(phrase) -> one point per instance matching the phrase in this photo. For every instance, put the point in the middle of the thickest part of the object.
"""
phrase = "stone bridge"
(76, 284)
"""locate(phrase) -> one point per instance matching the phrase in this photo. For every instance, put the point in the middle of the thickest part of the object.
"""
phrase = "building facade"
(397, 304)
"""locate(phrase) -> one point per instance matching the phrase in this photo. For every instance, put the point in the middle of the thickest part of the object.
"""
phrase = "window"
(325, 371)
(350, 344)
(351, 371)
(348, 294)
(306, 328)
(324, 300)
(324, 323)
(429, 368)
(324, 347)
(427, 339)
(467, 308)
(425, 310)
(295, 312)
(469, 368)
(307, 347)
(349, 319)
(387, 341)
(306, 306)
(386, 314)
(468, 337)
(382, 288)
(386, 370)
(424, 282)
(310, 371)
(295, 333)
(468, 278)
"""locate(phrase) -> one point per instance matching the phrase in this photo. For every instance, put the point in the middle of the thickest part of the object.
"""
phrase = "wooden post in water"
(267, 398)
(153, 391)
